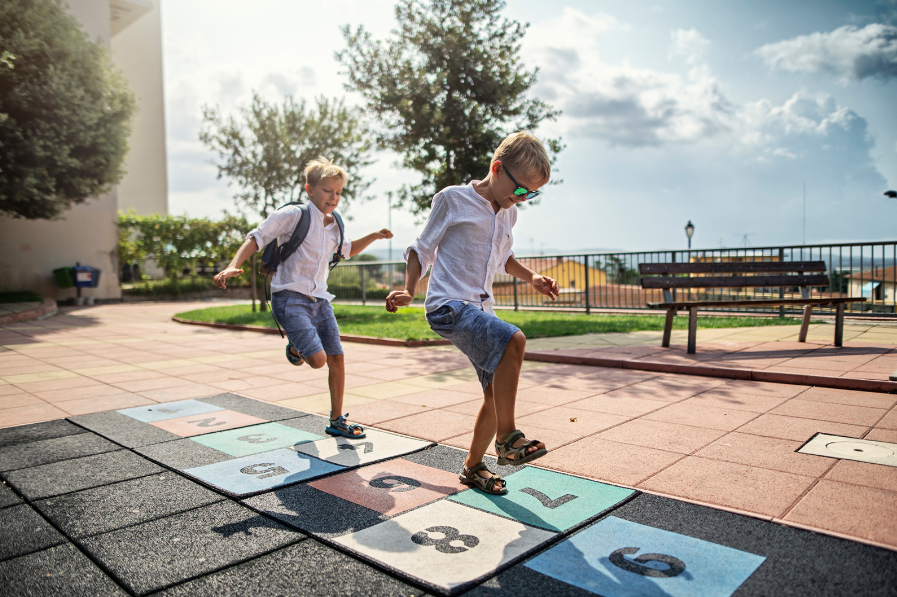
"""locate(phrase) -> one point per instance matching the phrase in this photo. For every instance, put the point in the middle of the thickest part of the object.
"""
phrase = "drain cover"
(850, 448)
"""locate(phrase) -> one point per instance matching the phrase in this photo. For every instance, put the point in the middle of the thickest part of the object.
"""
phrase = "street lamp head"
(891, 194)
(689, 229)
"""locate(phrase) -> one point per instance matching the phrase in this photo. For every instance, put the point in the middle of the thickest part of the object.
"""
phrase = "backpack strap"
(338, 256)
(299, 233)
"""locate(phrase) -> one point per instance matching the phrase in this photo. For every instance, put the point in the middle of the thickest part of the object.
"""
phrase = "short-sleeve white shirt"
(466, 243)
(306, 270)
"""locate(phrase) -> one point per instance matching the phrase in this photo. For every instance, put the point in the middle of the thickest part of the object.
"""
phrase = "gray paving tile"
(60, 570)
(22, 530)
(451, 459)
(36, 432)
(110, 507)
(53, 450)
(124, 430)
(154, 555)
(8, 497)
(249, 406)
(315, 512)
(309, 569)
(81, 473)
(183, 454)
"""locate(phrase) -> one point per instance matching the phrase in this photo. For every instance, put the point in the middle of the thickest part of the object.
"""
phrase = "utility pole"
(805, 212)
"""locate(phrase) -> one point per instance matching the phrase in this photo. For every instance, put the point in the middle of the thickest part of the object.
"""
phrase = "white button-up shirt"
(305, 271)
(467, 243)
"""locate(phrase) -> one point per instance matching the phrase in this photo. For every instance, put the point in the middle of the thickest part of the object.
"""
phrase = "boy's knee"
(517, 343)
(317, 360)
(335, 360)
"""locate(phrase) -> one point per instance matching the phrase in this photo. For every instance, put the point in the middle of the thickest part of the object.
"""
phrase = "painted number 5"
(674, 566)
(444, 545)
(273, 471)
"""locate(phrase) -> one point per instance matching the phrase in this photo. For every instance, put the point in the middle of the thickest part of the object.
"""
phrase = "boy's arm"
(233, 268)
(403, 298)
(544, 284)
(362, 243)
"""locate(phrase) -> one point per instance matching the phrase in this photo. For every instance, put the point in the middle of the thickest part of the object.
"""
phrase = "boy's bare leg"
(483, 433)
(504, 384)
(336, 379)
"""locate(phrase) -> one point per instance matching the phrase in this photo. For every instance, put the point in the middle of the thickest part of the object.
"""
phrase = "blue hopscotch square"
(169, 410)
(262, 471)
(546, 499)
(618, 558)
(257, 438)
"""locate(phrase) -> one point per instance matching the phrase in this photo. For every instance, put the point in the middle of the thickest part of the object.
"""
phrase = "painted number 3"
(674, 566)
(444, 545)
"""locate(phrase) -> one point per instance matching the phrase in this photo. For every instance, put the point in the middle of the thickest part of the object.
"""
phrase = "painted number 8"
(444, 545)
(675, 566)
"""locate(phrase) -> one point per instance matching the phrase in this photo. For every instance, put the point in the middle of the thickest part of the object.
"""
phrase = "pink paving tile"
(811, 363)
(180, 393)
(390, 374)
(381, 487)
(219, 375)
(207, 423)
(35, 413)
(798, 429)
(766, 452)
(763, 388)
(157, 383)
(58, 396)
(872, 512)
(301, 374)
(617, 405)
(112, 378)
(281, 392)
(36, 368)
(103, 403)
(434, 425)
(825, 411)
(850, 397)
(882, 435)
(377, 411)
(194, 369)
(574, 422)
(248, 383)
(351, 381)
(551, 438)
(58, 384)
(608, 461)
(669, 437)
(355, 368)
(590, 384)
(472, 407)
(880, 365)
(632, 352)
(433, 398)
(734, 400)
(17, 400)
(9, 390)
(753, 489)
(723, 419)
(798, 371)
(864, 473)
(889, 421)
(547, 394)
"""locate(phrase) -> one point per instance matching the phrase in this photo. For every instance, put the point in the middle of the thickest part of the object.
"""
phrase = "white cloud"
(848, 52)
(689, 43)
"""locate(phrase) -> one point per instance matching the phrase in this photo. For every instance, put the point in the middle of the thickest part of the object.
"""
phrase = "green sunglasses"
(521, 190)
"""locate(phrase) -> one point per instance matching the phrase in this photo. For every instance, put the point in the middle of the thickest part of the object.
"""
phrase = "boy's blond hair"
(523, 152)
(321, 167)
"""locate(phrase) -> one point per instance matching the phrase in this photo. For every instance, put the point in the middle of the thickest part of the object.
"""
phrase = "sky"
(718, 113)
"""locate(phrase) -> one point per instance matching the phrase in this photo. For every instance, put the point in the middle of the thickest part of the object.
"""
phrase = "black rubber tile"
(36, 432)
(157, 554)
(309, 569)
(22, 530)
(315, 512)
(183, 454)
(81, 473)
(124, 430)
(452, 460)
(60, 570)
(8, 497)
(797, 562)
(111, 507)
(311, 423)
(249, 406)
(520, 580)
(53, 450)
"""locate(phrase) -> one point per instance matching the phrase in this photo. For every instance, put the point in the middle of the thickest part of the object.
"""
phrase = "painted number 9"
(674, 566)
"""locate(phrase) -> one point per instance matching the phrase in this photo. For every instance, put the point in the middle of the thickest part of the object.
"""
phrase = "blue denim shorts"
(482, 337)
(308, 323)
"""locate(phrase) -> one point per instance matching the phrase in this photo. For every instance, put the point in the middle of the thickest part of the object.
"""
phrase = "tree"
(265, 150)
(65, 113)
(447, 87)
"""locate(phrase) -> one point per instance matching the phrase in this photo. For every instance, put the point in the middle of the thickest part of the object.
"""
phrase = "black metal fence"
(611, 280)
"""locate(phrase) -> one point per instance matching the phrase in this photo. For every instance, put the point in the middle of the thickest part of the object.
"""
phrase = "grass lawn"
(410, 323)
(20, 297)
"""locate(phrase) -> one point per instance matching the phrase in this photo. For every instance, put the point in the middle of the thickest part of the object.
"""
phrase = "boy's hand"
(230, 272)
(547, 286)
(396, 299)
(385, 233)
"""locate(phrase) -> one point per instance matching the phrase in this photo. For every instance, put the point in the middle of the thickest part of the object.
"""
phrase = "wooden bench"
(765, 274)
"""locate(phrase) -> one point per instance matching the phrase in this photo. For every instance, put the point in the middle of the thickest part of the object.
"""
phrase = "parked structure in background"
(879, 285)
(88, 233)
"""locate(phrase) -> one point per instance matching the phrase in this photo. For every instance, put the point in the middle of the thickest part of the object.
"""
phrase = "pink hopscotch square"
(207, 423)
(391, 487)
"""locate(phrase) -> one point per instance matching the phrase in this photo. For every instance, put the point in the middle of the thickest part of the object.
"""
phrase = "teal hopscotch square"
(619, 558)
(546, 499)
(255, 439)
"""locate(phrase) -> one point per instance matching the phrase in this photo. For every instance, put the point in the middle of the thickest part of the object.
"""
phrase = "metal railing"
(611, 280)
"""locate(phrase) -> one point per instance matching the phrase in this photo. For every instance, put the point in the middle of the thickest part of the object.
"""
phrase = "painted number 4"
(444, 545)
(639, 565)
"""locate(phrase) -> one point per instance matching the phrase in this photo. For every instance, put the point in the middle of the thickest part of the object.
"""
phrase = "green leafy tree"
(447, 87)
(65, 113)
(264, 151)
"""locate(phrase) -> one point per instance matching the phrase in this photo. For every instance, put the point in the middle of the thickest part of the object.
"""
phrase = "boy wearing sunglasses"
(299, 298)
(467, 241)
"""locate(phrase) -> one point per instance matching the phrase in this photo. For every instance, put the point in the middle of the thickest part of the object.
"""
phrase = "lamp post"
(689, 232)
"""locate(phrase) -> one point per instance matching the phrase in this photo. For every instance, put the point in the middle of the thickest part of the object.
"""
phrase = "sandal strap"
(341, 423)
(504, 448)
(475, 468)
(491, 481)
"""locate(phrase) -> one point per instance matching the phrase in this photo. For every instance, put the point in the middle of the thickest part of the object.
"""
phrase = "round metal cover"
(856, 448)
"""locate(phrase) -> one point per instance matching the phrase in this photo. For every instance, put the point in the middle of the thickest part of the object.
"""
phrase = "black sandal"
(520, 457)
(470, 477)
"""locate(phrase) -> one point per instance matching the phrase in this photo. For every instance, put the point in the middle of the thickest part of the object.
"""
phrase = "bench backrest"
(762, 274)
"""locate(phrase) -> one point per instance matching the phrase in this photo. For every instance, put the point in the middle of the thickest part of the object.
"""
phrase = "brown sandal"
(518, 455)
(470, 477)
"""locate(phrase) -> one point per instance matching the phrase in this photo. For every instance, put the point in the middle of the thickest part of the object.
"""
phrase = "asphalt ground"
(112, 503)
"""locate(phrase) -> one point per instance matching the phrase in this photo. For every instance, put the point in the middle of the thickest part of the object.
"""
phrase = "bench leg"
(839, 325)
(668, 327)
(805, 324)
(692, 329)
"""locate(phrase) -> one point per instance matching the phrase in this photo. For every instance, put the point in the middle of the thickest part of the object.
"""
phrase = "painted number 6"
(675, 566)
